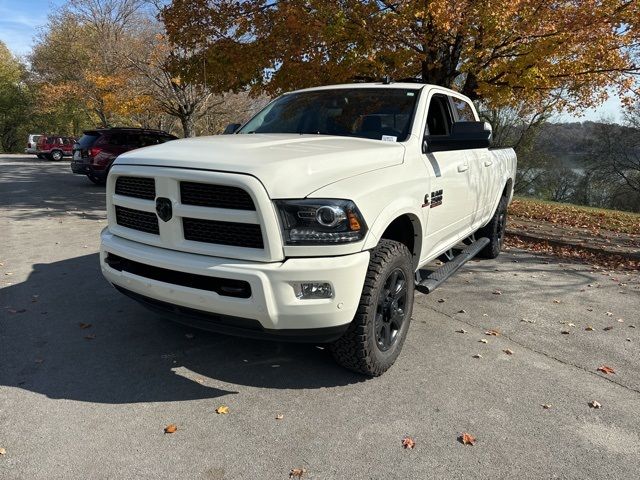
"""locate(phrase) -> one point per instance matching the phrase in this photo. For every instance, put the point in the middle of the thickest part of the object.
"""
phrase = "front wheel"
(494, 231)
(375, 337)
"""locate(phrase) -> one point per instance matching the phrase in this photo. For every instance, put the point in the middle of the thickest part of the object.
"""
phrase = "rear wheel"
(376, 335)
(494, 231)
(56, 155)
(96, 180)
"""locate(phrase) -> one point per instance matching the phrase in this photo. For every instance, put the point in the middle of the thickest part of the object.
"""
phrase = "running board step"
(433, 280)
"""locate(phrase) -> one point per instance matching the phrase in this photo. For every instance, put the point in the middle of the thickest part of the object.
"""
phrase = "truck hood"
(288, 165)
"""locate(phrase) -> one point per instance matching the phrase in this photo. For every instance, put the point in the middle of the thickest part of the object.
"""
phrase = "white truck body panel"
(447, 195)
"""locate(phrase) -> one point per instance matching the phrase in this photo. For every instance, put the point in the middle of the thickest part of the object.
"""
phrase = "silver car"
(32, 143)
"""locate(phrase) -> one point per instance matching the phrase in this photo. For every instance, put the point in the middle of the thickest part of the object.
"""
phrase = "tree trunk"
(188, 126)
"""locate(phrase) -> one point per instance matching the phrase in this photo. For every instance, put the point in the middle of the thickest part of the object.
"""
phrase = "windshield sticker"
(410, 94)
(389, 138)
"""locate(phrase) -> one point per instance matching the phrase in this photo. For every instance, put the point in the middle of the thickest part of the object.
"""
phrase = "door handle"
(488, 163)
(463, 167)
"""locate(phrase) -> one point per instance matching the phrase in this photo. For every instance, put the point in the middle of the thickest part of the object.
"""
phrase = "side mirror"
(464, 136)
(232, 128)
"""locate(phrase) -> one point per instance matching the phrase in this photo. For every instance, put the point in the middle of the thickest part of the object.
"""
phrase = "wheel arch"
(403, 226)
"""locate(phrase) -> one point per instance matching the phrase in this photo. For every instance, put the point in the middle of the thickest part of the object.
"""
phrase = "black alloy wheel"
(392, 309)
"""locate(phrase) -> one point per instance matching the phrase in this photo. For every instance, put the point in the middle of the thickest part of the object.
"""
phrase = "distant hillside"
(571, 142)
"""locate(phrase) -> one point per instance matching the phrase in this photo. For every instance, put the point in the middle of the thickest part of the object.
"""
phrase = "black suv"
(96, 150)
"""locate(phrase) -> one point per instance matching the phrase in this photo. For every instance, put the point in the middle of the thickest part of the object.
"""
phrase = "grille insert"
(246, 235)
(218, 196)
(139, 187)
(137, 220)
(222, 286)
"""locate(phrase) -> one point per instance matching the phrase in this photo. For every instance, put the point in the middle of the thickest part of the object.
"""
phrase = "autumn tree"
(15, 100)
(78, 58)
(503, 52)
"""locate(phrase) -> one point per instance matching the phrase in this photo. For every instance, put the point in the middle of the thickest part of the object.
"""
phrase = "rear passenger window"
(439, 118)
(463, 110)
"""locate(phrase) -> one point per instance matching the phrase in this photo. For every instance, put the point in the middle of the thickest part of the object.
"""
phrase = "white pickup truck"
(315, 221)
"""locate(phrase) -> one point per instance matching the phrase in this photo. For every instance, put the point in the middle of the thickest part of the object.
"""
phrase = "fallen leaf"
(84, 325)
(467, 439)
(492, 333)
(200, 380)
(34, 298)
(222, 410)
(594, 404)
(91, 336)
(3, 451)
(14, 311)
(565, 332)
(462, 330)
(571, 324)
(546, 406)
(189, 336)
(556, 301)
(497, 292)
(171, 428)
(408, 442)
(477, 355)
(608, 314)
(620, 320)
(297, 472)
(441, 300)
(628, 339)
(279, 416)
(605, 369)
(508, 351)
(462, 311)
(589, 328)
(632, 326)
(483, 340)
(606, 329)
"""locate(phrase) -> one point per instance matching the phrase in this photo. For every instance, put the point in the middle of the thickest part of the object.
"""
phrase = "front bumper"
(272, 310)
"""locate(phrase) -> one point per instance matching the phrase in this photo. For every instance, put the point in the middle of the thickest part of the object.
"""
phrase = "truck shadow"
(33, 188)
(129, 354)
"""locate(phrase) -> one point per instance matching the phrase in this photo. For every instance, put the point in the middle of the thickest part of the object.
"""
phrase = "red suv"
(54, 147)
(96, 150)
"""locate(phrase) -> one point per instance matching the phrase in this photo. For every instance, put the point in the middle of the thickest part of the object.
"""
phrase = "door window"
(463, 110)
(439, 119)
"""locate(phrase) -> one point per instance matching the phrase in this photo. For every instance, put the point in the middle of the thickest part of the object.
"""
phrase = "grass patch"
(576, 215)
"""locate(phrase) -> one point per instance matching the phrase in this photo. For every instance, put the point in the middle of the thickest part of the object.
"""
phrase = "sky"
(20, 20)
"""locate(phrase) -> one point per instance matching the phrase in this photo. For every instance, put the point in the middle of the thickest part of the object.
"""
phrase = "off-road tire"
(56, 155)
(97, 180)
(494, 231)
(358, 349)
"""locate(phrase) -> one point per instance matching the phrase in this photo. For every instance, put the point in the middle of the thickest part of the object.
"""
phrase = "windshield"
(377, 113)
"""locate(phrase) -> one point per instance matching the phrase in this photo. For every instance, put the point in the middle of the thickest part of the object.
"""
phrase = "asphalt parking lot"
(93, 402)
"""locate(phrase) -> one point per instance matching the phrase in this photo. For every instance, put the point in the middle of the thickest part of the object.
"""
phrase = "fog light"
(312, 290)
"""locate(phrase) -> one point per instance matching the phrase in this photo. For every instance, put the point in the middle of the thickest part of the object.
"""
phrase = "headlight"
(320, 222)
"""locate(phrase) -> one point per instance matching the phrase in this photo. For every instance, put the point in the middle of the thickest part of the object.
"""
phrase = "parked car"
(96, 150)
(32, 144)
(316, 221)
(54, 147)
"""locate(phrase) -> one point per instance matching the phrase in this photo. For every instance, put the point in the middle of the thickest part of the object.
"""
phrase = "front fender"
(395, 209)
